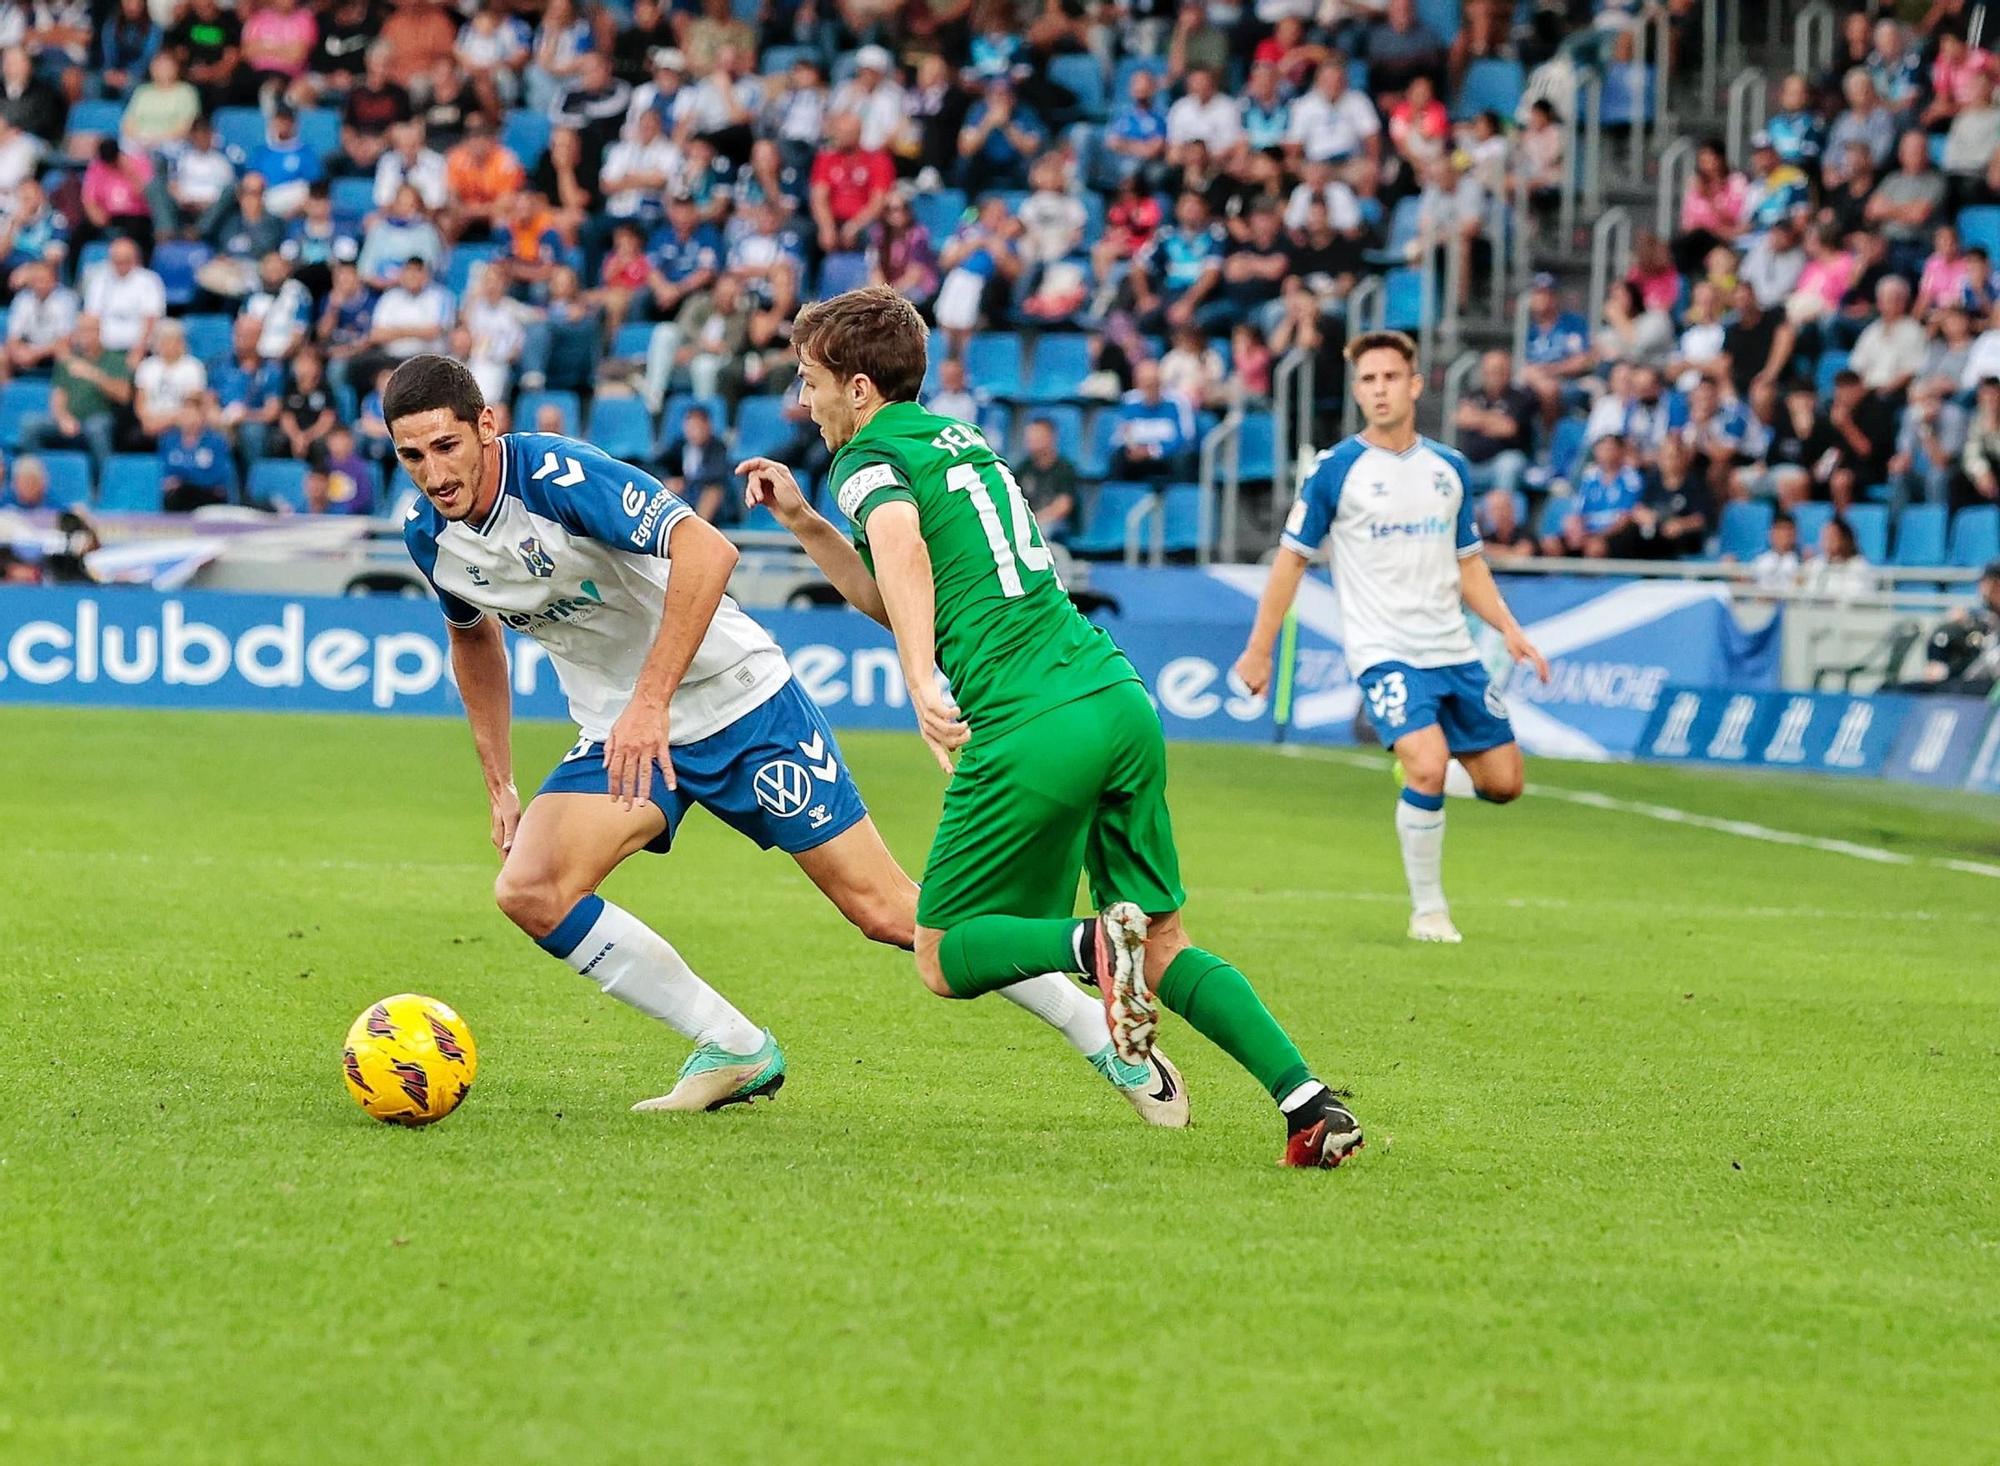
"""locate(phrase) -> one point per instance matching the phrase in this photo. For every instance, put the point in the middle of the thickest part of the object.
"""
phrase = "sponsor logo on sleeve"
(649, 516)
(862, 483)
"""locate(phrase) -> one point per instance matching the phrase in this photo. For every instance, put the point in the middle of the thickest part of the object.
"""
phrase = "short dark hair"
(1783, 517)
(427, 382)
(872, 332)
(1368, 341)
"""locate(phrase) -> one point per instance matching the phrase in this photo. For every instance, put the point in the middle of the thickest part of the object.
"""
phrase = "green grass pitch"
(1688, 1154)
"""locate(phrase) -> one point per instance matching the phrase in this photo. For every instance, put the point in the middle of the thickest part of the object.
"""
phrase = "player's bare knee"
(1425, 775)
(531, 902)
(1502, 788)
(1166, 939)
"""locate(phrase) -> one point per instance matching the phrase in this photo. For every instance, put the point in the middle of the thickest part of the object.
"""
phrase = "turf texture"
(1688, 1154)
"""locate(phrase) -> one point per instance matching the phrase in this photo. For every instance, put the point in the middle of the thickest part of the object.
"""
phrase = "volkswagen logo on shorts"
(783, 787)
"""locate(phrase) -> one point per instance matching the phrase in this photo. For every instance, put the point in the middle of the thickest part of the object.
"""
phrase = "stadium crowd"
(223, 227)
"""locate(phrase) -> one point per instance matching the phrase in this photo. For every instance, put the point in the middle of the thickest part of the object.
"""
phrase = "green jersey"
(1008, 637)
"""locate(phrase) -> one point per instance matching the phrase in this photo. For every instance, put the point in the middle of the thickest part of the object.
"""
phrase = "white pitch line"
(1667, 814)
(1558, 903)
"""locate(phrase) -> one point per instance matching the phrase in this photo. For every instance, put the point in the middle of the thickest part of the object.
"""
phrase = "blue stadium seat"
(996, 423)
(239, 128)
(464, 259)
(1566, 447)
(780, 59)
(176, 262)
(1628, 96)
(279, 482)
(527, 134)
(1096, 459)
(99, 118)
(208, 338)
(1403, 300)
(1492, 84)
(993, 364)
(1746, 528)
(319, 130)
(1081, 73)
(1061, 362)
(1831, 365)
(1121, 79)
(1066, 419)
(1555, 509)
(1187, 529)
(1809, 519)
(621, 426)
(90, 257)
(1104, 534)
(1256, 453)
(841, 272)
(677, 411)
(131, 483)
(1442, 16)
(353, 199)
(21, 398)
(1870, 523)
(759, 519)
(1975, 536)
(1920, 535)
(70, 476)
(529, 405)
(1403, 225)
(632, 339)
(939, 213)
(761, 429)
(1980, 227)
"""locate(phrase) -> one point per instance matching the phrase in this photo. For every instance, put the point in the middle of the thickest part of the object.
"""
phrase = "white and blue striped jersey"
(574, 554)
(1400, 523)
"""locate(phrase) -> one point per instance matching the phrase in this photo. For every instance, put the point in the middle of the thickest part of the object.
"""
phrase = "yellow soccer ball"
(409, 1060)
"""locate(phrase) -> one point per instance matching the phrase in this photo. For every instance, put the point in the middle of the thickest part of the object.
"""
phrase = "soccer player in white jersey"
(679, 698)
(1407, 566)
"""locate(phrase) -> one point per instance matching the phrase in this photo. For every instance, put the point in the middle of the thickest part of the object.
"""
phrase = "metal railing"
(1216, 478)
(1367, 308)
(1582, 170)
(1813, 33)
(1610, 251)
(1649, 111)
(1455, 377)
(1676, 167)
(1151, 509)
(1749, 104)
(1711, 50)
(1524, 265)
(1520, 329)
(1294, 392)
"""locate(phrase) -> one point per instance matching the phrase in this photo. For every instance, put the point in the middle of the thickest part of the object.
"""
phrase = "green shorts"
(1082, 787)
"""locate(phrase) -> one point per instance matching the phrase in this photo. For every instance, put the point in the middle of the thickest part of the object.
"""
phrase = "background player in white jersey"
(1407, 566)
(679, 697)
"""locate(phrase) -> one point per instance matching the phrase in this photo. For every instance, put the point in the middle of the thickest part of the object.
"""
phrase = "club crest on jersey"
(1441, 481)
(536, 558)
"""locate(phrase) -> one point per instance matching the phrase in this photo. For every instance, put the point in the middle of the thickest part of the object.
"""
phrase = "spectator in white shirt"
(1343, 209)
(495, 328)
(127, 299)
(665, 94)
(873, 96)
(194, 189)
(414, 315)
(166, 381)
(411, 161)
(723, 107)
(1892, 346)
(40, 319)
(1333, 122)
(794, 113)
(281, 307)
(1839, 571)
(1204, 115)
(636, 170)
(20, 155)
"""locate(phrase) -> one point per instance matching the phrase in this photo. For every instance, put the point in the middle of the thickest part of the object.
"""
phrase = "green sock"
(1220, 1005)
(988, 952)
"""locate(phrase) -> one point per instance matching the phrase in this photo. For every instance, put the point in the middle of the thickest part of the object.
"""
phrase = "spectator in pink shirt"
(1712, 209)
(1654, 273)
(1823, 283)
(114, 195)
(1945, 272)
(278, 41)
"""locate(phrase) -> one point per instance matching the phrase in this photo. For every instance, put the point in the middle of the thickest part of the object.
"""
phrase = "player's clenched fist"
(770, 483)
(1253, 671)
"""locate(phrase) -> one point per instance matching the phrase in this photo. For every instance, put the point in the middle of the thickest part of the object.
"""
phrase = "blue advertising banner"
(1828, 733)
(206, 649)
(1940, 741)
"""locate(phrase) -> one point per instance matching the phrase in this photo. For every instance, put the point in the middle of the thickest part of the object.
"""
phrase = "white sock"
(1458, 781)
(636, 965)
(1065, 1007)
(1421, 832)
(1307, 1091)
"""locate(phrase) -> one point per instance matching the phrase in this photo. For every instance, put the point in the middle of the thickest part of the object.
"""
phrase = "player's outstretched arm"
(1482, 597)
(479, 662)
(770, 483)
(903, 565)
(1253, 668)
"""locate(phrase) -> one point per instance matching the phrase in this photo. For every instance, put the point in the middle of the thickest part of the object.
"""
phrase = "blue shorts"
(1461, 700)
(775, 774)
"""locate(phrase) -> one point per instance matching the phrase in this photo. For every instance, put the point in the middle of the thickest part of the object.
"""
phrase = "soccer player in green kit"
(1061, 764)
